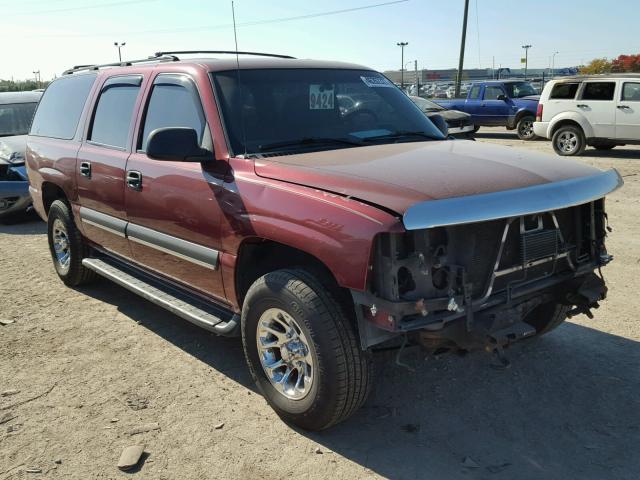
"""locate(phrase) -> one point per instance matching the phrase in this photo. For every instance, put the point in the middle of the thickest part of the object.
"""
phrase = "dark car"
(16, 112)
(253, 198)
(459, 123)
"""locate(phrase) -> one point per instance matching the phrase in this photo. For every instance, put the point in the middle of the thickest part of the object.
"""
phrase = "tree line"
(622, 64)
(20, 85)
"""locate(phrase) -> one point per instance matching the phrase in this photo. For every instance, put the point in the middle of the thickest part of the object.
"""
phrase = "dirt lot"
(93, 364)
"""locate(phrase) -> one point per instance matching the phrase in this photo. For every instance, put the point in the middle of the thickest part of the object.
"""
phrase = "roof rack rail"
(128, 63)
(222, 52)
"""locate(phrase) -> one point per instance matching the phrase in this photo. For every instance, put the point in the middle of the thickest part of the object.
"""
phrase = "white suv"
(601, 111)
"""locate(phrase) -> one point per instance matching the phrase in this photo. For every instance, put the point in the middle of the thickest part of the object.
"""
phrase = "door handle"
(582, 105)
(85, 169)
(624, 107)
(134, 180)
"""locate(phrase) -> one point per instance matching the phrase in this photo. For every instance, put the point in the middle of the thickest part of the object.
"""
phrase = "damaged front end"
(14, 187)
(478, 283)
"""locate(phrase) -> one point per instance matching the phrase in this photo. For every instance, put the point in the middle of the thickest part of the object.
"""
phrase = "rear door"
(628, 112)
(493, 111)
(172, 207)
(102, 160)
(596, 103)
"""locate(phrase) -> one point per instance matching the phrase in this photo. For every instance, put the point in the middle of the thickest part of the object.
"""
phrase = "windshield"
(520, 89)
(15, 118)
(426, 105)
(294, 109)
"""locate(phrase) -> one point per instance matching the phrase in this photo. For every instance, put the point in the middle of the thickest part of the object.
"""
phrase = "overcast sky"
(52, 35)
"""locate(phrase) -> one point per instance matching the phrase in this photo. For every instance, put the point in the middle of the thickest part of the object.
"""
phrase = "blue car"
(500, 103)
(16, 113)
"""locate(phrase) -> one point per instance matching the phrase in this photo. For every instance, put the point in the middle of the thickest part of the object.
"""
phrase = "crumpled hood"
(15, 145)
(397, 176)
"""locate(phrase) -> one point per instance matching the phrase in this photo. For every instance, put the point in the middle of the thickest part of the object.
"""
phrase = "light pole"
(402, 45)
(553, 64)
(526, 59)
(36, 74)
(462, 43)
(119, 46)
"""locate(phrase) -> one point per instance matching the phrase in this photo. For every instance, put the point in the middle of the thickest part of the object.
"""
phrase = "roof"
(229, 61)
(603, 76)
(19, 97)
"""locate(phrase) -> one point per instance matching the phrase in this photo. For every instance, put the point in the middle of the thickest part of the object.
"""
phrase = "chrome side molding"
(511, 203)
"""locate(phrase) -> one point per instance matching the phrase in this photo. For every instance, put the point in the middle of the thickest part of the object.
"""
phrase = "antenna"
(240, 95)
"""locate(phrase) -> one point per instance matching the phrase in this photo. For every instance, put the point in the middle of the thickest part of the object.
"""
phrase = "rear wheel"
(302, 349)
(569, 140)
(67, 246)
(525, 128)
(547, 317)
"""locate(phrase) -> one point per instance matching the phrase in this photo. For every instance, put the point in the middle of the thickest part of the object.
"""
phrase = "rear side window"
(112, 118)
(174, 102)
(564, 91)
(492, 93)
(598, 91)
(61, 105)
(631, 92)
(475, 92)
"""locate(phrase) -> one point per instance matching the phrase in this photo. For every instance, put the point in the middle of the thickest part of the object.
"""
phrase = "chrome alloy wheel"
(285, 354)
(567, 142)
(61, 245)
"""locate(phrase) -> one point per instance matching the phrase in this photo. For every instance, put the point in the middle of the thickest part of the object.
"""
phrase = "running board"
(208, 316)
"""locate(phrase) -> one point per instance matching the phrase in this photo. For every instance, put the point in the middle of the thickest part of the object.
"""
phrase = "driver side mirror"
(176, 144)
(440, 124)
(502, 97)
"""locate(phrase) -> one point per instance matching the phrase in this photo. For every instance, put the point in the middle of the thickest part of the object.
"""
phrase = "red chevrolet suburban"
(312, 208)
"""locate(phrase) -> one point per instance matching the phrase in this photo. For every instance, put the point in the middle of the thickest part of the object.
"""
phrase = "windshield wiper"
(399, 134)
(308, 141)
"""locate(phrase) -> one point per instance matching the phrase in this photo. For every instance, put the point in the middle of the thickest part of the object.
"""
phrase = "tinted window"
(174, 102)
(475, 92)
(269, 110)
(112, 117)
(61, 105)
(631, 92)
(598, 91)
(564, 91)
(492, 93)
(15, 118)
(520, 89)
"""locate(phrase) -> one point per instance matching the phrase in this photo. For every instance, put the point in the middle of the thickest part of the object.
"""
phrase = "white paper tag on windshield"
(376, 81)
(321, 96)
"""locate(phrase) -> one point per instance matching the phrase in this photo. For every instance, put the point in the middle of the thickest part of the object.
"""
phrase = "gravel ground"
(81, 370)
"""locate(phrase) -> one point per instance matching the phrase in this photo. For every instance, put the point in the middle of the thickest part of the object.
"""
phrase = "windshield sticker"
(321, 97)
(376, 81)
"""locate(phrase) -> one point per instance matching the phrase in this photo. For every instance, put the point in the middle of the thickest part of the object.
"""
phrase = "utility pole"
(119, 46)
(553, 64)
(462, 45)
(526, 59)
(402, 45)
(417, 79)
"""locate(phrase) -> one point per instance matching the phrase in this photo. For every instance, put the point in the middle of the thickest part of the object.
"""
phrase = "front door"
(493, 111)
(172, 208)
(101, 164)
(628, 112)
(596, 103)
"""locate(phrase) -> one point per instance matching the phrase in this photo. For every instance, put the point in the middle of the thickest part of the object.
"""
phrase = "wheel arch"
(570, 119)
(50, 193)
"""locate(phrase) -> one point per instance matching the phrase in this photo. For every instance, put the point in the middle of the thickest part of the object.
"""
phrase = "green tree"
(597, 65)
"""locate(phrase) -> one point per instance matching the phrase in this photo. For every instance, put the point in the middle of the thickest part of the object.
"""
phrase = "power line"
(229, 25)
(85, 7)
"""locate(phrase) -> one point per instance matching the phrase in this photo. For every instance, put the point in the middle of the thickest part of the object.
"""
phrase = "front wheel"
(525, 128)
(569, 141)
(302, 350)
(547, 317)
